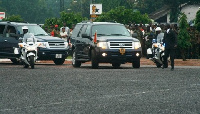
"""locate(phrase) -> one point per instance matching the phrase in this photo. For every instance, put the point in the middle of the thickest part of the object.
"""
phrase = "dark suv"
(50, 48)
(114, 45)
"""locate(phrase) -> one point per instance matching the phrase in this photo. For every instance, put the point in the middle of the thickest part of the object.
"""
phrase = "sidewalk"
(177, 62)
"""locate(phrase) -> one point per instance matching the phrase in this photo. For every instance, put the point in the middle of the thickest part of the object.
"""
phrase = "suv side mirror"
(86, 36)
(14, 35)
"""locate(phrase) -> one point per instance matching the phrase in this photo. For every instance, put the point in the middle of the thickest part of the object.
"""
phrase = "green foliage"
(183, 35)
(16, 18)
(148, 6)
(69, 18)
(125, 16)
(197, 21)
(34, 11)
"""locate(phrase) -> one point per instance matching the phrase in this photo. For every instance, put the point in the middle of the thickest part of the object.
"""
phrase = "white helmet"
(24, 27)
(158, 29)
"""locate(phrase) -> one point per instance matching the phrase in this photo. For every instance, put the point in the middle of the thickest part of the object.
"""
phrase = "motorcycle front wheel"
(31, 61)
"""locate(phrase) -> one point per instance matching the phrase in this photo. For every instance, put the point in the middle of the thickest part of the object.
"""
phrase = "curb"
(4, 60)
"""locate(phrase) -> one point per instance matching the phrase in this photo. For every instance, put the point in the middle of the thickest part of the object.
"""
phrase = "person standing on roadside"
(55, 32)
(66, 28)
(170, 41)
(63, 34)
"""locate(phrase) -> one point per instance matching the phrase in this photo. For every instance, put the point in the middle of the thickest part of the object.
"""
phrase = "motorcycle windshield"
(29, 38)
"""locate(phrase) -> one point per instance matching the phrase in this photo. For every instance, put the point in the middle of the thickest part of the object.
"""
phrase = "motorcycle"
(156, 53)
(28, 49)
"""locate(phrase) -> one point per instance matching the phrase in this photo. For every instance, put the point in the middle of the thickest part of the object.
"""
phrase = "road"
(52, 89)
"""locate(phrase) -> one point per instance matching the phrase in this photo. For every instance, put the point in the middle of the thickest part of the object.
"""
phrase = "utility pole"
(61, 5)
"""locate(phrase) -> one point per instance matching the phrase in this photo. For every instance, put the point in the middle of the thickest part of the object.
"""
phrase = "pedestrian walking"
(170, 41)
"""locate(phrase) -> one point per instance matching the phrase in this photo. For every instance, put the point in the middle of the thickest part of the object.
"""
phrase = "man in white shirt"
(63, 33)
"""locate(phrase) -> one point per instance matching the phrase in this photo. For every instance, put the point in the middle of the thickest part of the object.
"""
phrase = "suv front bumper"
(114, 55)
(50, 54)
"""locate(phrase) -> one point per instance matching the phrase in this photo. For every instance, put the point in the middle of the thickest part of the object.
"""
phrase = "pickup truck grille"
(56, 45)
(116, 45)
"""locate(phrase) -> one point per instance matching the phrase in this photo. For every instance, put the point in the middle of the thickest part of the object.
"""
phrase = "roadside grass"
(69, 57)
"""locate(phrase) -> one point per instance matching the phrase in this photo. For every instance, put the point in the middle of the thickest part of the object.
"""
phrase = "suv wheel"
(59, 61)
(15, 61)
(136, 63)
(75, 63)
(94, 60)
(116, 65)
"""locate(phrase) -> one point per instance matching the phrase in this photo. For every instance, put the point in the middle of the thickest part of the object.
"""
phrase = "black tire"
(158, 65)
(59, 61)
(116, 65)
(15, 61)
(25, 65)
(31, 61)
(94, 60)
(166, 66)
(75, 63)
(136, 63)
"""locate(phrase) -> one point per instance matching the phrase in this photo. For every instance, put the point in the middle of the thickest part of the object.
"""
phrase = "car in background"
(50, 48)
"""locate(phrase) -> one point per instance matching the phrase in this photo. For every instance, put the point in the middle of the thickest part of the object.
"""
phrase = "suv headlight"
(137, 45)
(42, 44)
(103, 45)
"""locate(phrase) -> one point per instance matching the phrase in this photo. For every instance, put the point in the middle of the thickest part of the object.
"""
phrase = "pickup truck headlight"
(42, 44)
(137, 45)
(103, 45)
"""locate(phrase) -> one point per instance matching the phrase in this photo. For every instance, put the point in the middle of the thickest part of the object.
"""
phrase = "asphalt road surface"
(53, 89)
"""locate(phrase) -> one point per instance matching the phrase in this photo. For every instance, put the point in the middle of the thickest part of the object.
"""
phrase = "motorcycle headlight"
(31, 48)
(42, 44)
(137, 45)
(21, 44)
(155, 45)
(103, 45)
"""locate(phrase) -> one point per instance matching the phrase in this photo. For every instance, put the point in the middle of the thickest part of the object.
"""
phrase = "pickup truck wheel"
(75, 63)
(94, 60)
(116, 65)
(136, 63)
(59, 61)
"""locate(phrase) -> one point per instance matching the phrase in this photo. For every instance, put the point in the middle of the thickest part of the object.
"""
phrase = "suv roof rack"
(87, 21)
(17, 21)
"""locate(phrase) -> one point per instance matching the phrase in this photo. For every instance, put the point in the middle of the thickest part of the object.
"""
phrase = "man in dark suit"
(170, 41)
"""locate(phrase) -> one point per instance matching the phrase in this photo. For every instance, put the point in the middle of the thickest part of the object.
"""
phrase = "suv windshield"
(35, 29)
(110, 30)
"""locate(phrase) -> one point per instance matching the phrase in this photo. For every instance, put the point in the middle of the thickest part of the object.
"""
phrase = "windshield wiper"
(101, 35)
(40, 35)
(118, 35)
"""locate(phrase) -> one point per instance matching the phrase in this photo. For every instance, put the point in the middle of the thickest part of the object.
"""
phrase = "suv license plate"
(58, 55)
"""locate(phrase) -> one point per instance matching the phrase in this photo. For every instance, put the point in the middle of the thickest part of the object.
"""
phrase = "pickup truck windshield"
(110, 30)
(35, 29)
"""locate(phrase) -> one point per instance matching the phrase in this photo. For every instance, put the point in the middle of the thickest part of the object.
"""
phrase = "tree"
(34, 11)
(197, 21)
(69, 18)
(16, 18)
(125, 16)
(183, 35)
(175, 6)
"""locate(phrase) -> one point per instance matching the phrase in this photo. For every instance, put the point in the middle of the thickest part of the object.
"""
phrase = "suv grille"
(120, 45)
(56, 45)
